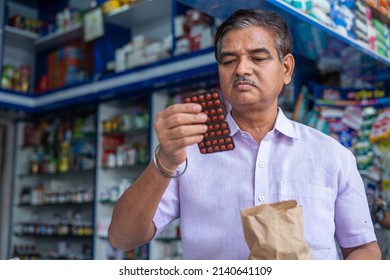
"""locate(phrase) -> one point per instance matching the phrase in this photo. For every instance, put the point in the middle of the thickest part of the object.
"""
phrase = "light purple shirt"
(293, 161)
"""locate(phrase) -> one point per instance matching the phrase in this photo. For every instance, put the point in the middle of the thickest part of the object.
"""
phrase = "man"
(274, 159)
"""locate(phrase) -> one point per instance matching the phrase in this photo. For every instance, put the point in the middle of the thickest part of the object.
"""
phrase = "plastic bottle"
(59, 21)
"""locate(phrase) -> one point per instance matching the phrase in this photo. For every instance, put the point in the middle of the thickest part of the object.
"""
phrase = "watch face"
(93, 24)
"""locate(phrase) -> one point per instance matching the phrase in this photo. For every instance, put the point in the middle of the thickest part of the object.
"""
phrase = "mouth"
(242, 86)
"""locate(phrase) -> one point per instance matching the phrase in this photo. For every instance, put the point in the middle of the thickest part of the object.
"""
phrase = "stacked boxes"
(67, 65)
(367, 21)
(381, 37)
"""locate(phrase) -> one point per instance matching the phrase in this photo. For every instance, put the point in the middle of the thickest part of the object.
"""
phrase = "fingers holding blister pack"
(217, 137)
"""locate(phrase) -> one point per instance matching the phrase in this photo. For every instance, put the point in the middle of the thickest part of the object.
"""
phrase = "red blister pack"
(217, 137)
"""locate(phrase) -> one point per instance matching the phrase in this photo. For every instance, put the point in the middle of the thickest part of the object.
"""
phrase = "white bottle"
(59, 21)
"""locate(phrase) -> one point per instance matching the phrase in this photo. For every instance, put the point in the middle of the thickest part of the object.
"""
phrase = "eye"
(228, 61)
(259, 59)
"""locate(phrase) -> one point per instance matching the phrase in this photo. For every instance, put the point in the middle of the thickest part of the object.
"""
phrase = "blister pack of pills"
(217, 137)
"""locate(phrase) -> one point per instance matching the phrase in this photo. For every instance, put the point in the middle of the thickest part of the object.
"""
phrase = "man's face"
(251, 53)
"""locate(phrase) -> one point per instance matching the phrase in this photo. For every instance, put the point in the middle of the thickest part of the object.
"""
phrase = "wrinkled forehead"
(247, 38)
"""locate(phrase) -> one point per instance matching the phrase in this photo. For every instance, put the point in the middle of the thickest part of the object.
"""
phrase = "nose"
(244, 67)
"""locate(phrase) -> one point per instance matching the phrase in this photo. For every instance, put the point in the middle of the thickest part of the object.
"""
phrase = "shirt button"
(261, 198)
(261, 165)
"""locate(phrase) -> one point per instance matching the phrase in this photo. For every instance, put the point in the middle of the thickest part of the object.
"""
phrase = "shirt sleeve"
(354, 226)
(169, 207)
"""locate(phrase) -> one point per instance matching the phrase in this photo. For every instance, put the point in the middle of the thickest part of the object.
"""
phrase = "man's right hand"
(177, 127)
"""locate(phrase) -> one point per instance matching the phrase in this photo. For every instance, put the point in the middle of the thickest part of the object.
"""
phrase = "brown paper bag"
(275, 231)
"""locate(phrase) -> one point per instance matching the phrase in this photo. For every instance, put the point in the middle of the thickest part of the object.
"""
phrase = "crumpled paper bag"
(275, 231)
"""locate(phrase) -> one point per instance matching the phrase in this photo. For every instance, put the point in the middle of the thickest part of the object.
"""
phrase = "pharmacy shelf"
(139, 14)
(60, 38)
(321, 26)
(222, 9)
(168, 70)
(20, 36)
(140, 79)
(40, 44)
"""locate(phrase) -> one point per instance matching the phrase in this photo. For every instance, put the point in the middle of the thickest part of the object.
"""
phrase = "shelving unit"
(161, 74)
(22, 37)
(53, 193)
(292, 15)
(147, 77)
(296, 13)
(123, 153)
(140, 14)
(108, 91)
(41, 44)
(60, 38)
(169, 69)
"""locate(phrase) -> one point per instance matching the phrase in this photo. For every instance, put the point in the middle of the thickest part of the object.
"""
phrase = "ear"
(289, 64)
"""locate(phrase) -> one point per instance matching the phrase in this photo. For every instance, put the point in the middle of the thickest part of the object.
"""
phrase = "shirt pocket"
(318, 212)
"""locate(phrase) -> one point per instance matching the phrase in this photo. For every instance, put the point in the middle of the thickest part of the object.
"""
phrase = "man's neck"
(256, 123)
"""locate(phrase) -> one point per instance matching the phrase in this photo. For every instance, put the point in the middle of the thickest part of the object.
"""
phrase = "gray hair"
(270, 21)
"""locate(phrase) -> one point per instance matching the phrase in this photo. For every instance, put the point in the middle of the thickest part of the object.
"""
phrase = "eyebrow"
(253, 51)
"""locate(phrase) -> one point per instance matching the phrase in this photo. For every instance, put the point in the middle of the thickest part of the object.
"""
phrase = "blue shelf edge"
(132, 80)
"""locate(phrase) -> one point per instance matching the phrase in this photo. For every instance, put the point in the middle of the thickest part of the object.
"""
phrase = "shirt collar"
(282, 124)
(285, 125)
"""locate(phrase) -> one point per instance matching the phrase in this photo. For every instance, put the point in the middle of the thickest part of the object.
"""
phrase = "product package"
(275, 231)
(217, 137)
